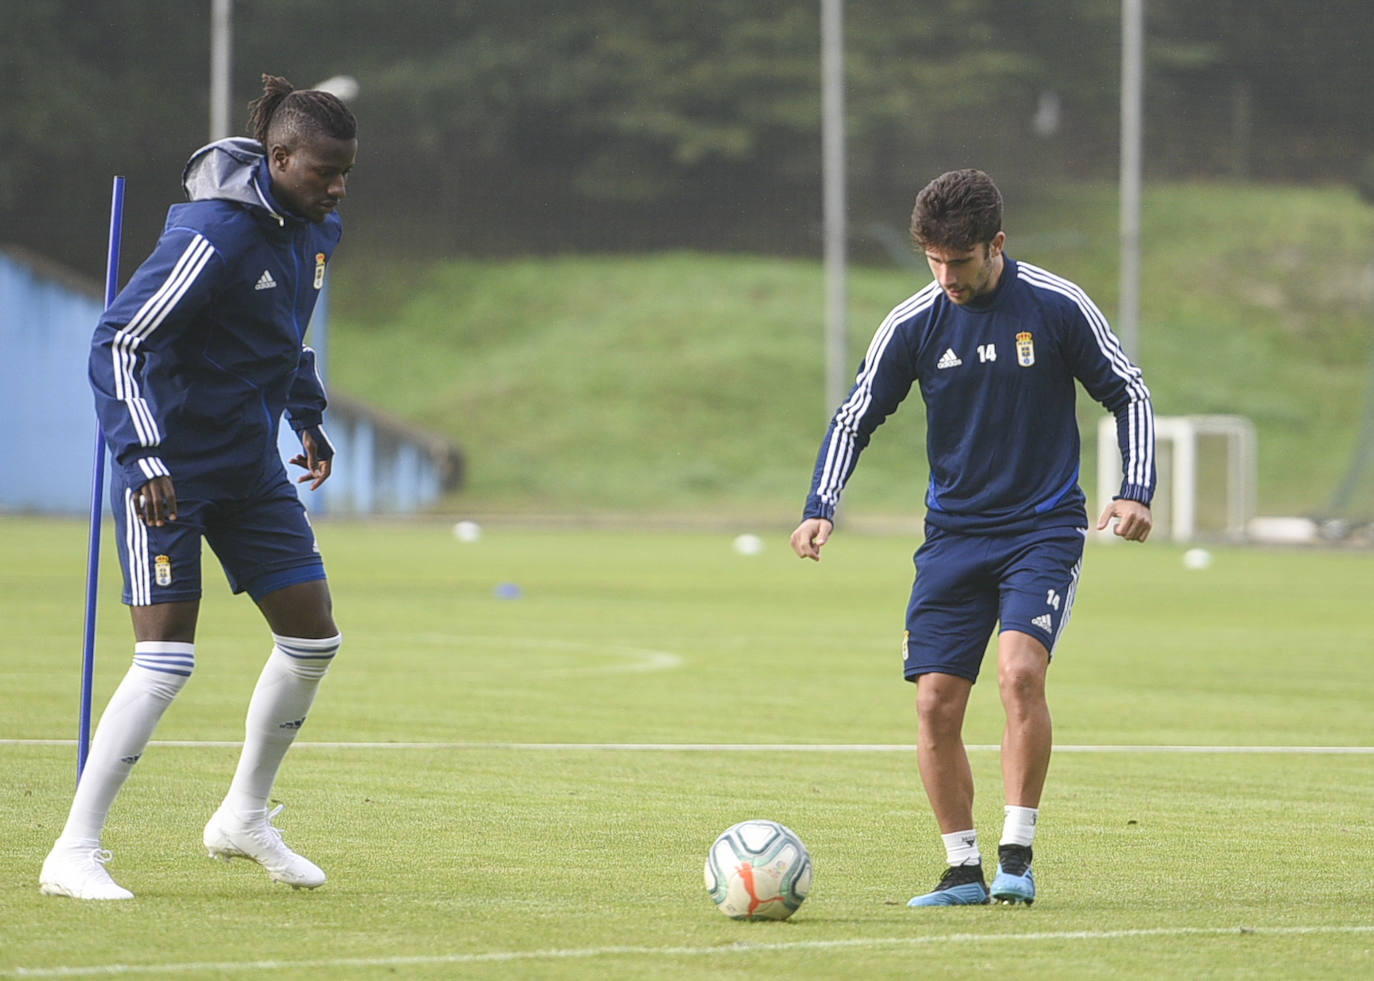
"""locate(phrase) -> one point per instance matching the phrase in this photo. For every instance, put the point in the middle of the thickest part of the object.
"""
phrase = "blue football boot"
(1013, 883)
(961, 885)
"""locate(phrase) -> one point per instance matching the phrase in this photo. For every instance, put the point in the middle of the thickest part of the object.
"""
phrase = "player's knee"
(1021, 681)
(166, 622)
(302, 609)
(315, 624)
(939, 710)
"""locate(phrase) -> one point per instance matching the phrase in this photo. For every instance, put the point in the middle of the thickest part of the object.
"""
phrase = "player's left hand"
(317, 471)
(1133, 520)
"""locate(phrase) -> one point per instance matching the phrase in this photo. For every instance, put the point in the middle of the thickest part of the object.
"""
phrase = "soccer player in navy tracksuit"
(995, 346)
(192, 367)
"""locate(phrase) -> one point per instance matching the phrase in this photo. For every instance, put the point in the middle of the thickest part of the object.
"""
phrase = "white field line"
(965, 940)
(731, 747)
(630, 659)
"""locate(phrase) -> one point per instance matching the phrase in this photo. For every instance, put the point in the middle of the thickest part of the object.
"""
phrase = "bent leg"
(305, 640)
(301, 610)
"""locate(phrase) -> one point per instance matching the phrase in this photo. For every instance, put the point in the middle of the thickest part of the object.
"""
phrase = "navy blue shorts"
(965, 584)
(263, 541)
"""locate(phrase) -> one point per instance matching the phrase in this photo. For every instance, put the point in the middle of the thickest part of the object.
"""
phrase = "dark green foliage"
(543, 126)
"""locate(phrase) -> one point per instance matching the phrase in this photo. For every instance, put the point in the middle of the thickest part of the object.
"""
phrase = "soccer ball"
(467, 531)
(748, 544)
(758, 870)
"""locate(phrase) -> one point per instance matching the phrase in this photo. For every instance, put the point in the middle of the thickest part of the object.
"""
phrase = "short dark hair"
(957, 210)
(285, 115)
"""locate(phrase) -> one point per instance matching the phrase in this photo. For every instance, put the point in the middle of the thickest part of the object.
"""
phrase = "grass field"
(528, 742)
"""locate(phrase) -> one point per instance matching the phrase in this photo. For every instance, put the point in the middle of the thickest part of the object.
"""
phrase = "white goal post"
(1180, 485)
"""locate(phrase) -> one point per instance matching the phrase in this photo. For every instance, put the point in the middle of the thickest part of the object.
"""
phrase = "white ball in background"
(467, 531)
(748, 544)
(1197, 558)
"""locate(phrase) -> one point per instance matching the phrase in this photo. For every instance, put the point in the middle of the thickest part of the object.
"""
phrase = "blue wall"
(47, 437)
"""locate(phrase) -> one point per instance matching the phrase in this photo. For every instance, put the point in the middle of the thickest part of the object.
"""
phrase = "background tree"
(538, 125)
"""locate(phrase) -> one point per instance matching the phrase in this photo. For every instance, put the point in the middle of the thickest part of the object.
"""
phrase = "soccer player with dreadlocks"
(192, 367)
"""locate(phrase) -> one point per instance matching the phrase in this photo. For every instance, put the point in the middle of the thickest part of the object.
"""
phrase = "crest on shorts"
(319, 270)
(1025, 349)
(906, 636)
(162, 570)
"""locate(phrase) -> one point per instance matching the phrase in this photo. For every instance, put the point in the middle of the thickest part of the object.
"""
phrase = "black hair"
(286, 115)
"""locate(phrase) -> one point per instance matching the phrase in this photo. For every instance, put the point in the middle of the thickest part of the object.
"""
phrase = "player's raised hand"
(810, 535)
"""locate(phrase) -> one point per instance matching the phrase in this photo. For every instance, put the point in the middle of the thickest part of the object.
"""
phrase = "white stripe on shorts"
(136, 546)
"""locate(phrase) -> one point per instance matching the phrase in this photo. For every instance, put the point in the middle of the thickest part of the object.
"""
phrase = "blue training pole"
(83, 735)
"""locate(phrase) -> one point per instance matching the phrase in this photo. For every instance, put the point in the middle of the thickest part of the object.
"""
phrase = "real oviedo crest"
(1025, 349)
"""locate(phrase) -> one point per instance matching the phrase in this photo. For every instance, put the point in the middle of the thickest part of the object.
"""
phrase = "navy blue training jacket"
(194, 363)
(998, 383)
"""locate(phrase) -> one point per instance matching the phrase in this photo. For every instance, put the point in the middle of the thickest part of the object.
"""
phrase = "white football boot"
(227, 836)
(77, 869)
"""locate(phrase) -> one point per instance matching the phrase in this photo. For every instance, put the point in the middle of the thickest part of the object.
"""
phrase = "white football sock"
(282, 699)
(159, 671)
(1019, 826)
(961, 847)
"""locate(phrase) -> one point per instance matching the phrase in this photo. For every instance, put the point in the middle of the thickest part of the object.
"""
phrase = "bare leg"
(166, 621)
(941, 700)
(302, 610)
(1022, 663)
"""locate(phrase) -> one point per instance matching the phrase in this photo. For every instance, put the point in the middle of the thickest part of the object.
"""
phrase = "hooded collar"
(234, 169)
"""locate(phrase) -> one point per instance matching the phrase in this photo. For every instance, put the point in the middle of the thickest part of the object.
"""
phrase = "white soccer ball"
(467, 531)
(748, 544)
(1197, 558)
(758, 870)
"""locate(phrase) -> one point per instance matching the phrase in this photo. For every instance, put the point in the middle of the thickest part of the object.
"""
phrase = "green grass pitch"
(523, 782)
